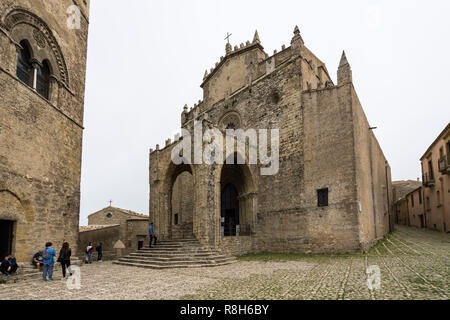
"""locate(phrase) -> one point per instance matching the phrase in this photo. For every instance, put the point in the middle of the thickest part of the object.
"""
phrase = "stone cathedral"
(43, 48)
(332, 193)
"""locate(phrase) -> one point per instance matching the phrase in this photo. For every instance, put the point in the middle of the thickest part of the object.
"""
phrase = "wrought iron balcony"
(428, 180)
(444, 164)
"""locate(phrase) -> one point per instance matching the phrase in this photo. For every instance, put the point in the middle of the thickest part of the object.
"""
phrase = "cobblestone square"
(414, 264)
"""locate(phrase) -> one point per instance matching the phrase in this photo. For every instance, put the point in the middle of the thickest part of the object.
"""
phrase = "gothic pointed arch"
(19, 22)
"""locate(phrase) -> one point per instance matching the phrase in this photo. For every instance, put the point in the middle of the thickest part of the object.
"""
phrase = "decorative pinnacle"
(256, 37)
(206, 74)
(297, 36)
(228, 49)
(344, 61)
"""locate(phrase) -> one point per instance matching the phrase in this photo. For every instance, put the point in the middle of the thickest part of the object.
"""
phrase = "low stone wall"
(107, 235)
(237, 246)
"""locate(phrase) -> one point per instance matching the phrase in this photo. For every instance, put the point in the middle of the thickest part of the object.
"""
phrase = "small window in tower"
(322, 197)
(176, 219)
(109, 215)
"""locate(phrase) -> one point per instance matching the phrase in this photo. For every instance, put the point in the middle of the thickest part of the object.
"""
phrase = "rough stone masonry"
(333, 191)
(42, 81)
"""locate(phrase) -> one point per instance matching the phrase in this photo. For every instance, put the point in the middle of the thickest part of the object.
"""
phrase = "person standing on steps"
(151, 234)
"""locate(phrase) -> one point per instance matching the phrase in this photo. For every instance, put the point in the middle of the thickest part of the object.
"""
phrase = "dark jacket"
(5, 265)
(64, 255)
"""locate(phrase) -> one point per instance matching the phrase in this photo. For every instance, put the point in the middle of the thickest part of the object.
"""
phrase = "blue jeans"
(90, 257)
(48, 268)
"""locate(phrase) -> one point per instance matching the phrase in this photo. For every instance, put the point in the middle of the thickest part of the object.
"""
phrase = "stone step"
(180, 262)
(173, 266)
(159, 247)
(186, 249)
(169, 259)
(176, 253)
(172, 254)
(178, 240)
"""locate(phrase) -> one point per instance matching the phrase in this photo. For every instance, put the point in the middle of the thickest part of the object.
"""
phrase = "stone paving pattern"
(414, 264)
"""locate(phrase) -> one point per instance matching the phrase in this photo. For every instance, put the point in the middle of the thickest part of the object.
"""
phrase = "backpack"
(46, 254)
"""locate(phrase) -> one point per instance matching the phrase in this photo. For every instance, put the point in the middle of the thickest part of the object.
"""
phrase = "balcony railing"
(444, 164)
(428, 180)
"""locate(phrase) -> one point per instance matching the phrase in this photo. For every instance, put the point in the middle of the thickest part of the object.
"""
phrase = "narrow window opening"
(25, 71)
(43, 80)
(322, 197)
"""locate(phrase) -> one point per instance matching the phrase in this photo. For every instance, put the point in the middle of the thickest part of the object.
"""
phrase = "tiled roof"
(95, 227)
(131, 213)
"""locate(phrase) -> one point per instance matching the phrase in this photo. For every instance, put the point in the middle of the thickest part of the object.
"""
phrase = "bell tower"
(43, 53)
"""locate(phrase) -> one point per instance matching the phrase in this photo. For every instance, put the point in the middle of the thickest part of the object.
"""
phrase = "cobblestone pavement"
(414, 264)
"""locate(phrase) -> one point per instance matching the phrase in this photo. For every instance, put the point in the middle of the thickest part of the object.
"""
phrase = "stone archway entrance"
(6, 238)
(182, 206)
(237, 201)
(177, 219)
(230, 210)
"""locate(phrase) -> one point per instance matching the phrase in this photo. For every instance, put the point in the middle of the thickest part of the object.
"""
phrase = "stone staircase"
(185, 253)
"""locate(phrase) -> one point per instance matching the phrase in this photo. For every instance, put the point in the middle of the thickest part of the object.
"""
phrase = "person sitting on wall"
(9, 265)
(38, 260)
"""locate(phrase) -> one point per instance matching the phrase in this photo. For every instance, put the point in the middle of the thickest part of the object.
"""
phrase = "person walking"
(64, 258)
(48, 255)
(89, 252)
(99, 250)
(151, 234)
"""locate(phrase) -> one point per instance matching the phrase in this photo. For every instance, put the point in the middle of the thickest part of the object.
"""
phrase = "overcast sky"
(146, 59)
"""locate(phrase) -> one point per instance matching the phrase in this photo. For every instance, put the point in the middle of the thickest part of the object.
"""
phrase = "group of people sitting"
(44, 260)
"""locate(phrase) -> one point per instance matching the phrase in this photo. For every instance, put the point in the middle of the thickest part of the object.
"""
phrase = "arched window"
(36, 78)
(24, 69)
(43, 80)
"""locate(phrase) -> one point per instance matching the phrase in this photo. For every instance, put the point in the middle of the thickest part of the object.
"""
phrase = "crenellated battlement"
(244, 66)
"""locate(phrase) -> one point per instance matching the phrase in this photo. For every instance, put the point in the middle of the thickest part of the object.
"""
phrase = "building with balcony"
(436, 182)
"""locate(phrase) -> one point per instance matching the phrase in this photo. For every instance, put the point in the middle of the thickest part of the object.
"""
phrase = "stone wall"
(373, 176)
(416, 208)
(107, 235)
(40, 152)
(237, 246)
(325, 143)
(437, 191)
